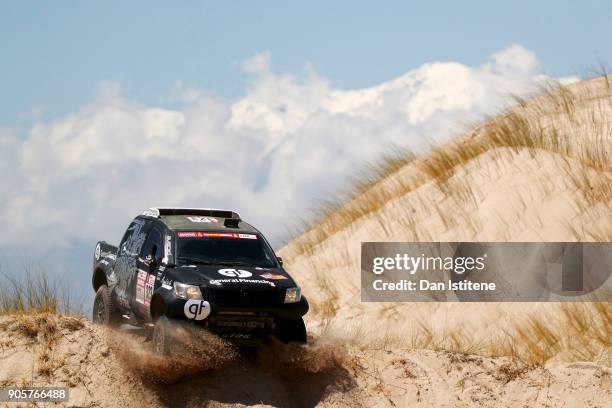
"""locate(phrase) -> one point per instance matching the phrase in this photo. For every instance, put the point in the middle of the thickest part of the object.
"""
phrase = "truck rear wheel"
(291, 330)
(104, 310)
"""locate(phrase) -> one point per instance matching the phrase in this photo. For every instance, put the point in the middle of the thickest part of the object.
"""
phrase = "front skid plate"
(251, 326)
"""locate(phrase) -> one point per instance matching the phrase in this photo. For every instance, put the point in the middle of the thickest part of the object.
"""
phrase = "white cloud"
(258, 63)
(288, 142)
(514, 59)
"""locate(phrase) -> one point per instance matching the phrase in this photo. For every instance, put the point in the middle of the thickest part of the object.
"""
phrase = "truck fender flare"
(157, 307)
(99, 278)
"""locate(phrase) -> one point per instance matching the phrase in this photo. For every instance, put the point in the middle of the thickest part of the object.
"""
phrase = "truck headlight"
(185, 291)
(293, 295)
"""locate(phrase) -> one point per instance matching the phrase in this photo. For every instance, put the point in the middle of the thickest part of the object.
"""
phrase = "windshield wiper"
(231, 263)
(195, 260)
(222, 263)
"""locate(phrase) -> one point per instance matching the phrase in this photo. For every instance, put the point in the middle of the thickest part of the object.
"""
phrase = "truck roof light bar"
(157, 212)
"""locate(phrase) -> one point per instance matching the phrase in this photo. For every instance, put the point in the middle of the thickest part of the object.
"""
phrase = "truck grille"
(240, 329)
(243, 297)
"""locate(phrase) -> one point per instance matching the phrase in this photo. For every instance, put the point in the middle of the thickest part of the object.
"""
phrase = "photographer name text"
(412, 265)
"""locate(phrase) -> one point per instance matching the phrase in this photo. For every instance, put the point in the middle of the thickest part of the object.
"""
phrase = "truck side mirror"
(280, 260)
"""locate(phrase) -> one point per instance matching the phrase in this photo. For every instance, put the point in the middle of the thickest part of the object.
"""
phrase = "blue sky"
(55, 53)
(264, 107)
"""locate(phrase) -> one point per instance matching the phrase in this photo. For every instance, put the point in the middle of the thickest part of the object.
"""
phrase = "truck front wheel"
(104, 311)
(291, 330)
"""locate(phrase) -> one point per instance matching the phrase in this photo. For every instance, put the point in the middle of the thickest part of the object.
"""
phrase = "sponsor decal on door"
(145, 282)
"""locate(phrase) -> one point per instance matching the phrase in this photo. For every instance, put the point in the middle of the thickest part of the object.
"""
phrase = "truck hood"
(231, 276)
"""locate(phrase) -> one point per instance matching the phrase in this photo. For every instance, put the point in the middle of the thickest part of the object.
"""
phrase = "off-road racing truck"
(205, 266)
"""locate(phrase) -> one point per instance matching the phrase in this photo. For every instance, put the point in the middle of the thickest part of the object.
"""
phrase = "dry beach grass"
(539, 172)
(569, 122)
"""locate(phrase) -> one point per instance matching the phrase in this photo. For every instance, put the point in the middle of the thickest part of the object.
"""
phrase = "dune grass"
(532, 125)
(39, 308)
(579, 332)
(573, 332)
(35, 291)
(570, 126)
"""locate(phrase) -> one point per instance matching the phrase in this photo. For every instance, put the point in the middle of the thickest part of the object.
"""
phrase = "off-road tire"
(291, 330)
(104, 310)
(161, 339)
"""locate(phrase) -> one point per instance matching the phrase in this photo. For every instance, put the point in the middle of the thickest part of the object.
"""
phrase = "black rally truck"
(205, 266)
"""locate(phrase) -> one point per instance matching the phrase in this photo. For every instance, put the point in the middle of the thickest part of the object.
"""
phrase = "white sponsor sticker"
(149, 289)
(235, 273)
(168, 247)
(145, 282)
(166, 283)
(141, 283)
(203, 219)
(247, 236)
(196, 309)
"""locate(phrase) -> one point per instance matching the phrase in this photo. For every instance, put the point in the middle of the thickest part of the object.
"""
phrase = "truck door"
(125, 266)
(148, 261)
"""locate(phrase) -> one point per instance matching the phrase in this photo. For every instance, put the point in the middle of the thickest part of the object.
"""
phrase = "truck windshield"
(224, 249)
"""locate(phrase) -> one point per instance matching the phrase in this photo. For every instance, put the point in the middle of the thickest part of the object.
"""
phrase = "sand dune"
(539, 172)
(106, 368)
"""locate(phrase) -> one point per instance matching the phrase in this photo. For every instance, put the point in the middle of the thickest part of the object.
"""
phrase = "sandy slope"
(392, 354)
(503, 194)
(111, 369)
